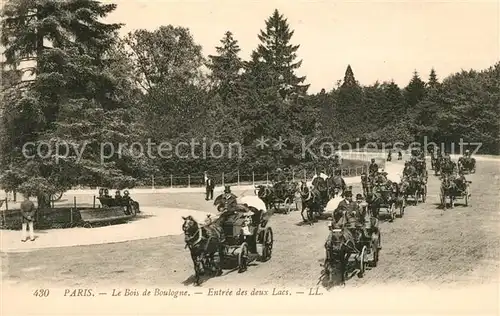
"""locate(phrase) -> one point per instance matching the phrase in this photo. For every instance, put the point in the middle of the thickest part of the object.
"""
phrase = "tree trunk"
(43, 201)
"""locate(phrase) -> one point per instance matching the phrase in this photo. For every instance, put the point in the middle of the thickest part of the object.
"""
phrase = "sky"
(381, 40)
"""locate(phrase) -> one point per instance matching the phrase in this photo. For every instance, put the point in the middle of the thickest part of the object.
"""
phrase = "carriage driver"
(373, 168)
(339, 212)
(461, 181)
(279, 181)
(467, 154)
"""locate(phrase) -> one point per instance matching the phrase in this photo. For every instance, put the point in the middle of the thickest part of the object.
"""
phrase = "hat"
(227, 189)
(347, 194)
(359, 196)
(126, 193)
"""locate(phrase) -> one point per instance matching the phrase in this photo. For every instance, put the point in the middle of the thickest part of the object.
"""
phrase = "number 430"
(41, 293)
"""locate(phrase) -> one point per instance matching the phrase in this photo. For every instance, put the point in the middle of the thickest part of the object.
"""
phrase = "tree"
(277, 56)
(76, 100)
(349, 80)
(226, 66)
(433, 82)
(415, 91)
(350, 106)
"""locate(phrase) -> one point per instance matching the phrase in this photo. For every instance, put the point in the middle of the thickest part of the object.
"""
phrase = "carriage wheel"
(87, 225)
(243, 258)
(375, 249)
(57, 196)
(267, 245)
(362, 262)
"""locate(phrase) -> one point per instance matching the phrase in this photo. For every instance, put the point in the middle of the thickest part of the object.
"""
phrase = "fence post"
(153, 182)
(238, 177)
(253, 178)
(189, 181)
(223, 179)
(171, 181)
(267, 178)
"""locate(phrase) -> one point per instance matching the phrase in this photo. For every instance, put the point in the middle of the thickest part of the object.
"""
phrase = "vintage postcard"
(272, 157)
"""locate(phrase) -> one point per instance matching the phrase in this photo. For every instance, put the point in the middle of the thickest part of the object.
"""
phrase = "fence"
(237, 178)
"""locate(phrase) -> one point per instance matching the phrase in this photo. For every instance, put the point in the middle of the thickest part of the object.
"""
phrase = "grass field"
(427, 246)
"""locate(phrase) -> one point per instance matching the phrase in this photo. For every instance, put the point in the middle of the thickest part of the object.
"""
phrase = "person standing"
(209, 188)
(28, 218)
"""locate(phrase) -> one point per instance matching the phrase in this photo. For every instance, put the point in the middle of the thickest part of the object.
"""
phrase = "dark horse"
(319, 184)
(335, 184)
(448, 190)
(267, 195)
(311, 201)
(204, 241)
(339, 245)
(366, 184)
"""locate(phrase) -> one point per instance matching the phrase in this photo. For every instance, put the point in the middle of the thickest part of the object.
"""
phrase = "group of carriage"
(465, 164)
(245, 230)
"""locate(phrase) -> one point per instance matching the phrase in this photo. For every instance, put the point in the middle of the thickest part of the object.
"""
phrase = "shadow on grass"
(228, 264)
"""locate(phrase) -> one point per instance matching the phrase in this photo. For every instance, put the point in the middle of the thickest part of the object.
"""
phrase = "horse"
(467, 164)
(267, 195)
(311, 200)
(438, 165)
(412, 188)
(366, 184)
(321, 186)
(448, 189)
(335, 184)
(337, 253)
(204, 241)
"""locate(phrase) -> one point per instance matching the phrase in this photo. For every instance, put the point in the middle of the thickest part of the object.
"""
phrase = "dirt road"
(428, 245)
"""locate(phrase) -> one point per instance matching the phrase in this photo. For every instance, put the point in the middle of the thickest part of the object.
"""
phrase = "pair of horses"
(453, 188)
(414, 186)
(314, 198)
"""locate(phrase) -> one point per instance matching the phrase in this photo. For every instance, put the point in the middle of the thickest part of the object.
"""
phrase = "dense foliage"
(94, 91)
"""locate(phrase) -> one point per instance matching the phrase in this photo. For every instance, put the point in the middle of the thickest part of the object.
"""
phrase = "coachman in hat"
(343, 205)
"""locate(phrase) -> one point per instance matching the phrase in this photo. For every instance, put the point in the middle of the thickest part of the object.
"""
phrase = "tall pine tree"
(350, 107)
(415, 91)
(278, 56)
(76, 99)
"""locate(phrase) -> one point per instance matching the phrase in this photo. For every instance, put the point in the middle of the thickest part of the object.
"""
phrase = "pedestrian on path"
(209, 187)
(28, 218)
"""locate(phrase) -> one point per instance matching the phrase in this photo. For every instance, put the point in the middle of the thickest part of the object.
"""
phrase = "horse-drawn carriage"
(314, 198)
(237, 233)
(361, 240)
(415, 187)
(385, 196)
(454, 189)
(467, 164)
(280, 196)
